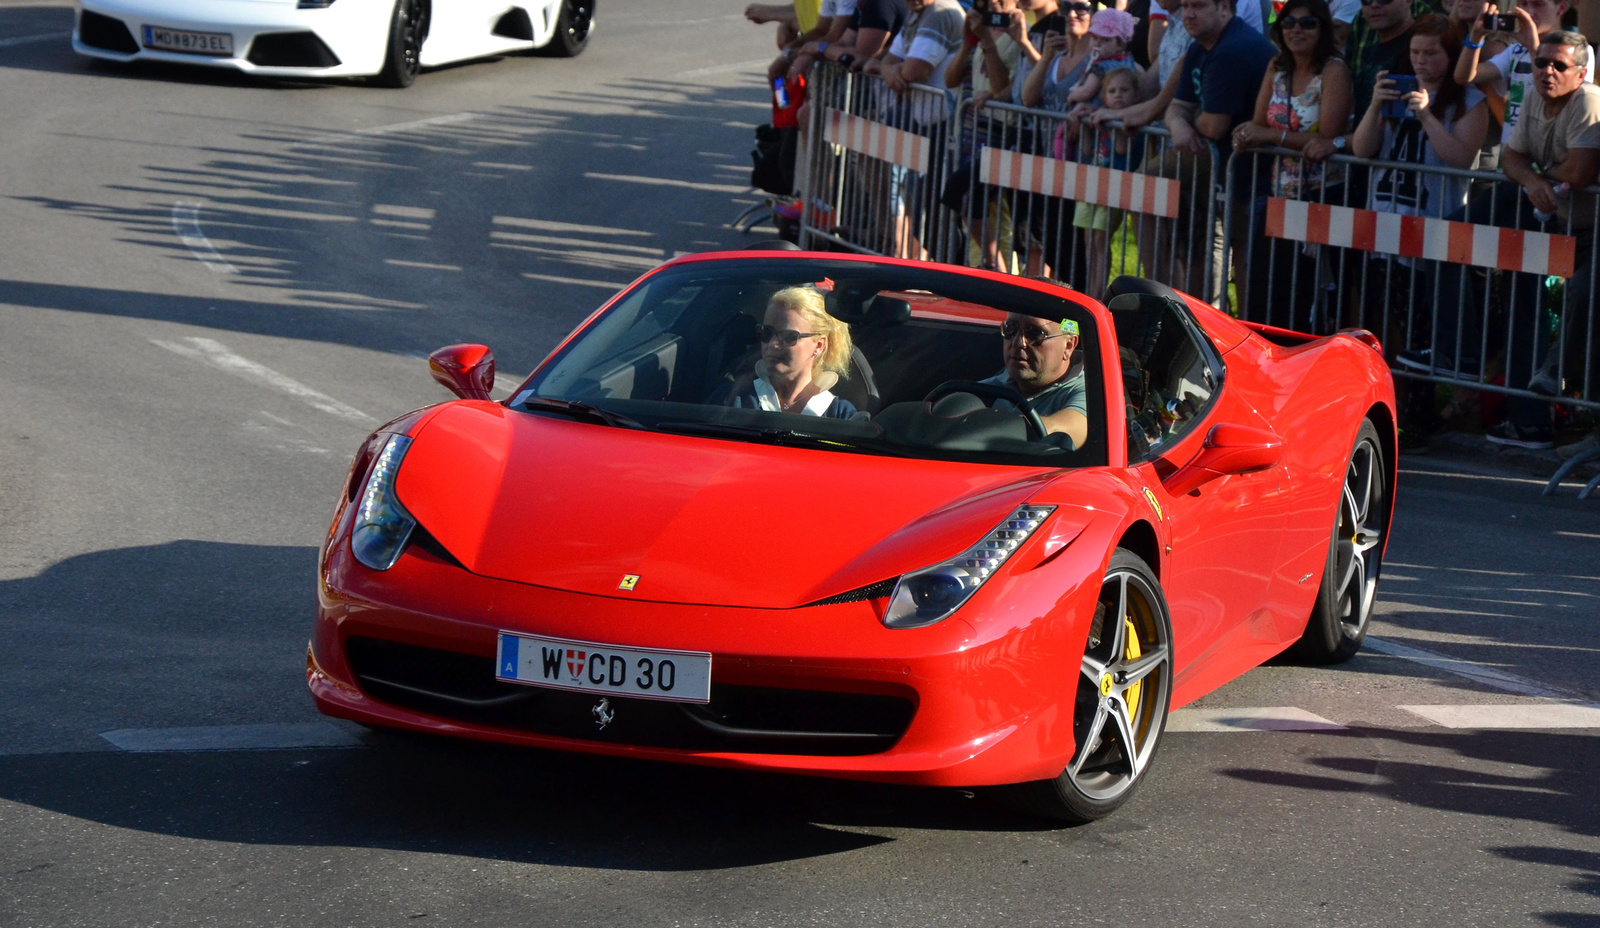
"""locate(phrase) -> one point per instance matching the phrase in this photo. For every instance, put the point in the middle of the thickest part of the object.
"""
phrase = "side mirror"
(465, 370)
(1228, 449)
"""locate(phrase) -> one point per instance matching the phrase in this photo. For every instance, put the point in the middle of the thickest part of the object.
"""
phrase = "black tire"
(407, 29)
(1349, 586)
(573, 27)
(1123, 694)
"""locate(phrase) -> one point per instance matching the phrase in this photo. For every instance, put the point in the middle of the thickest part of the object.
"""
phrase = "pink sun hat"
(1113, 24)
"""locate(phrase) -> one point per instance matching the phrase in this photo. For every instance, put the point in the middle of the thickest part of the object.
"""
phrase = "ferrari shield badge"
(1154, 504)
(603, 713)
(629, 581)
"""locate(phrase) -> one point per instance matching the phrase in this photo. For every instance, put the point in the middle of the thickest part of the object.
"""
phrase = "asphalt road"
(212, 288)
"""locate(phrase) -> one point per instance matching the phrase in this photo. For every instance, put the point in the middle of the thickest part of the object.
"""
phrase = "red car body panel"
(1239, 559)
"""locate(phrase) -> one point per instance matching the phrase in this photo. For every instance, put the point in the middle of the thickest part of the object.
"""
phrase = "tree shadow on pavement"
(1545, 777)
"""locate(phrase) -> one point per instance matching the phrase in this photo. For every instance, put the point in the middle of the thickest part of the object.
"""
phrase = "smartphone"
(1397, 109)
(1499, 23)
(780, 94)
(997, 20)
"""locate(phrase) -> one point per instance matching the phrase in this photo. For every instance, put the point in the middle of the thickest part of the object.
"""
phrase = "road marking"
(232, 738)
(186, 223)
(576, 281)
(668, 182)
(719, 69)
(30, 39)
(1543, 715)
(546, 225)
(1577, 535)
(422, 265)
(335, 138)
(1273, 718)
(1465, 476)
(1488, 676)
(216, 354)
(502, 166)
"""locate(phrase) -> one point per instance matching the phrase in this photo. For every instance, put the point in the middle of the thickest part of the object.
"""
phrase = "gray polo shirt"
(1070, 392)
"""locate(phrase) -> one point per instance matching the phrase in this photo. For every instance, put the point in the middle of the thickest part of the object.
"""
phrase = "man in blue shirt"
(1217, 85)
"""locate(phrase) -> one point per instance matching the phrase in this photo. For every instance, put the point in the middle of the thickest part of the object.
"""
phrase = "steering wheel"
(991, 392)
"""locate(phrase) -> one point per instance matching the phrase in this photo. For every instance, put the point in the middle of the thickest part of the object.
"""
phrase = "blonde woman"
(804, 352)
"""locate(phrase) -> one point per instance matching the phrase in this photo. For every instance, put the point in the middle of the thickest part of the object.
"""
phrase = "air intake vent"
(876, 591)
(515, 25)
(292, 50)
(98, 31)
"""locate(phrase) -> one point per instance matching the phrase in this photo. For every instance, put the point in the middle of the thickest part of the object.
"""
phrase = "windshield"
(847, 356)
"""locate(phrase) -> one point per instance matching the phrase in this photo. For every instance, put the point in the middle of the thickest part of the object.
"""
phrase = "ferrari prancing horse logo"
(1154, 504)
(1105, 684)
(629, 581)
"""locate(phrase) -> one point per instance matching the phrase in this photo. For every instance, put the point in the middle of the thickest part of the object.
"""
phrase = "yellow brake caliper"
(1131, 653)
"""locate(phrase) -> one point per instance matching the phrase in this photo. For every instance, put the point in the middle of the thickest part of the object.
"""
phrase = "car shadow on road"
(1544, 777)
(194, 633)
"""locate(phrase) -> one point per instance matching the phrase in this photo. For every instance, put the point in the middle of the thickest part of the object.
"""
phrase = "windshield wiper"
(768, 436)
(577, 410)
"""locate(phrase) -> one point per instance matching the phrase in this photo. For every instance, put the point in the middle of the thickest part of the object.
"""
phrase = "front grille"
(876, 591)
(292, 50)
(745, 719)
(97, 31)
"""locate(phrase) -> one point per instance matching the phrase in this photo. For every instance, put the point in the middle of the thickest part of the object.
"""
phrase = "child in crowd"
(1113, 148)
(1110, 31)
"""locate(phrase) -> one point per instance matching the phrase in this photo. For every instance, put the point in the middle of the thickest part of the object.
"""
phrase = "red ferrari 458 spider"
(863, 518)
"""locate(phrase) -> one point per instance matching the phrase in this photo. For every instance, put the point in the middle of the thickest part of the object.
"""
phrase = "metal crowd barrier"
(1429, 258)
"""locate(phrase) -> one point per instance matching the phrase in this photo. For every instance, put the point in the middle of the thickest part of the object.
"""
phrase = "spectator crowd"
(1446, 85)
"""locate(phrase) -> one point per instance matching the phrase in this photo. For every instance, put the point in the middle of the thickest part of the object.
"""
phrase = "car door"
(1225, 534)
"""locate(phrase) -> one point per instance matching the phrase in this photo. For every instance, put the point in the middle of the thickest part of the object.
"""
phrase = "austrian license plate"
(648, 673)
(194, 43)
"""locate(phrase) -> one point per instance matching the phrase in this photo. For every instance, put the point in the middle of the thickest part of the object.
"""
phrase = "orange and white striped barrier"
(1419, 237)
(876, 140)
(1084, 183)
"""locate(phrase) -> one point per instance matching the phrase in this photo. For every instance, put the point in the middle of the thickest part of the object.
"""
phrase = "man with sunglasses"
(1043, 365)
(1509, 76)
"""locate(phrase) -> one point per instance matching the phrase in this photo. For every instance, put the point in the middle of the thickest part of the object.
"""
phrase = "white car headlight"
(382, 525)
(933, 594)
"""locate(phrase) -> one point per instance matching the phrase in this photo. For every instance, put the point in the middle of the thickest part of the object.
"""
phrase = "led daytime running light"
(382, 526)
(933, 594)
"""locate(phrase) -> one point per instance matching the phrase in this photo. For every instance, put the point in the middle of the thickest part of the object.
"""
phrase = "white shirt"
(768, 398)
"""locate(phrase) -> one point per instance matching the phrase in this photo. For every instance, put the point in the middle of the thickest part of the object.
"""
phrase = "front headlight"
(382, 525)
(932, 594)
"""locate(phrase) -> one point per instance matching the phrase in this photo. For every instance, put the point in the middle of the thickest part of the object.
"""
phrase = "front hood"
(576, 506)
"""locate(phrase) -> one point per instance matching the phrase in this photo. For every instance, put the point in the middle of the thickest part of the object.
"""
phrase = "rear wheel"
(573, 26)
(407, 28)
(1123, 692)
(1339, 619)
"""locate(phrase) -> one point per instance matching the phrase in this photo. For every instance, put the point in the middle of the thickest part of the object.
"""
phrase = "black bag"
(773, 159)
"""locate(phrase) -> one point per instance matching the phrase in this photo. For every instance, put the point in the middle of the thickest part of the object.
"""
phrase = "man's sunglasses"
(1034, 335)
(1376, 2)
(788, 338)
(1307, 23)
(1559, 66)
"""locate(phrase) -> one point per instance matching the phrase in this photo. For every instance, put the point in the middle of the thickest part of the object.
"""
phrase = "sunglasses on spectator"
(1307, 23)
(1559, 66)
(788, 338)
(1082, 9)
(1376, 2)
(1034, 335)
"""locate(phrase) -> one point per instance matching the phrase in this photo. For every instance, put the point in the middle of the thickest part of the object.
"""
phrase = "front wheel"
(573, 26)
(1338, 622)
(1122, 695)
(403, 61)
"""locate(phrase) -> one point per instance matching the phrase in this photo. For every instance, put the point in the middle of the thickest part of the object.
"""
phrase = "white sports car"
(389, 40)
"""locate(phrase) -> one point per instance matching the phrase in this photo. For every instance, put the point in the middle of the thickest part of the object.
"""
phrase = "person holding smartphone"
(1508, 77)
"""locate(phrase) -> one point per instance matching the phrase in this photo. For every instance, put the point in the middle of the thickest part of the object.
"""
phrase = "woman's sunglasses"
(1560, 66)
(1082, 9)
(788, 338)
(1306, 23)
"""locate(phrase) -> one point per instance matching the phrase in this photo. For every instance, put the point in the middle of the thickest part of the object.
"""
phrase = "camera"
(1403, 84)
(1499, 22)
(997, 20)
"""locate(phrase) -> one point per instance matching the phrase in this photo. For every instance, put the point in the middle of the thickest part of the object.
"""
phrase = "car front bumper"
(986, 707)
(354, 32)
